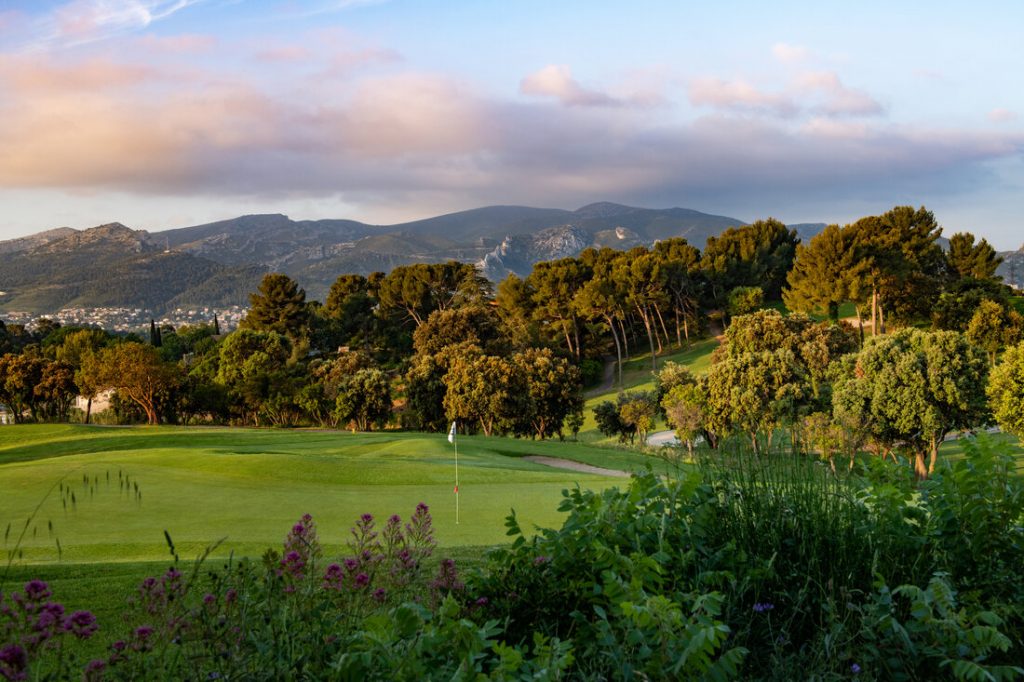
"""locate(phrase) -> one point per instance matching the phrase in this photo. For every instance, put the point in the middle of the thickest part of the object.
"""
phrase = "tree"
(279, 305)
(474, 324)
(967, 259)
(554, 390)
(637, 410)
(253, 365)
(364, 399)
(684, 281)
(135, 370)
(957, 304)
(55, 391)
(553, 285)
(19, 377)
(602, 298)
(900, 266)
(487, 390)
(753, 392)
(914, 387)
(825, 274)
(1005, 391)
(683, 406)
(759, 254)
(609, 421)
(744, 300)
(994, 326)
(421, 289)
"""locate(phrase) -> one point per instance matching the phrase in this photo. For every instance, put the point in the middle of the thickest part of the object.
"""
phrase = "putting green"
(249, 486)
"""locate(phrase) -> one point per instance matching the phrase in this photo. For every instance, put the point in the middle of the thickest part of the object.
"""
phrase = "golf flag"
(451, 439)
(451, 434)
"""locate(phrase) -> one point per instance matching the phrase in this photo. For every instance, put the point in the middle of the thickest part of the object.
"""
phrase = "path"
(607, 379)
(662, 438)
(560, 463)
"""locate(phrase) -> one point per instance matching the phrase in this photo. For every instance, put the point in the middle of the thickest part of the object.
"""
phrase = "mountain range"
(220, 263)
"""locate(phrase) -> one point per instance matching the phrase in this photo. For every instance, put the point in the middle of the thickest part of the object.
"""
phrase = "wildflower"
(119, 645)
(48, 617)
(761, 607)
(230, 596)
(334, 578)
(36, 591)
(541, 560)
(482, 601)
(82, 624)
(351, 564)
(855, 669)
(380, 594)
(292, 566)
(13, 662)
(94, 670)
(143, 632)
(362, 580)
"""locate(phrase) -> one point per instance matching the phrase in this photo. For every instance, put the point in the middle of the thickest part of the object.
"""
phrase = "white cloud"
(790, 54)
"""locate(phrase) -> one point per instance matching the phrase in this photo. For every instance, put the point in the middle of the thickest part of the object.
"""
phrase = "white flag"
(451, 434)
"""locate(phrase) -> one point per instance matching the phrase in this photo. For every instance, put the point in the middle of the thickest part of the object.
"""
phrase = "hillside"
(1012, 268)
(219, 263)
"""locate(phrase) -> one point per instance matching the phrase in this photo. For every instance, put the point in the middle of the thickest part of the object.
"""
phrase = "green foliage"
(759, 254)
(279, 306)
(914, 387)
(1006, 391)
(364, 399)
(744, 300)
(967, 259)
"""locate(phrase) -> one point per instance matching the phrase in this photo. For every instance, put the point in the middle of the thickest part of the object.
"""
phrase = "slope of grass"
(637, 376)
(249, 486)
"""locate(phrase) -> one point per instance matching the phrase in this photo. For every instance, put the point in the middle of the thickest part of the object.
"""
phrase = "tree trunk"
(860, 324)
(919, 466)
(668, 340)
(874, 311)
(679, 332)
(88, 410)
(936, 441)
(618, 348)
(645, 316)
(625, 339)
(753, 441)
(881, 319)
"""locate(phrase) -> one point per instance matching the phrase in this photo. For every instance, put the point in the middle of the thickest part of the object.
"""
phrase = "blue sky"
(165, 113)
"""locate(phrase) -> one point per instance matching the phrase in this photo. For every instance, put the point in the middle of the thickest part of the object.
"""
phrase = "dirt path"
(607, 379)
(559, 463)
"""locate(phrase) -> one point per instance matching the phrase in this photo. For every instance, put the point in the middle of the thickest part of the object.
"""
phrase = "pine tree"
(278, 306)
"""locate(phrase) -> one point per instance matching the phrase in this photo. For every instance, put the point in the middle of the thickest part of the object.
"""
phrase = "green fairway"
(249, 486)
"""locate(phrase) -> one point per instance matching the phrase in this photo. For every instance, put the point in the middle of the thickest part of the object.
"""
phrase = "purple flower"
(13, 662)
(82, 624)
(482, 601)
(119, 645)
(380, 594)
(334, 578)
(855, 669)
(351, 564)
(49, 616)
(142, 632)
(230, 596)
(395, 520)
(540, 560)
(362, 580)
(366, 518)
(36, 590)
(94, 671)
(209, 599)
(761, 607)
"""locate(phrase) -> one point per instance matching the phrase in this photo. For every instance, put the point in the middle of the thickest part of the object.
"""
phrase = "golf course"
(80, 494)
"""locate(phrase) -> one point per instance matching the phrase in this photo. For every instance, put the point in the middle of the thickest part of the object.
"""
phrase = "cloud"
(419, 139)
(740, 96)
(790, 54)
(185, 43)
(284, 53)
(556, 81)
(820, 93)
(839, 100)
(81, 22)
(1002, 115)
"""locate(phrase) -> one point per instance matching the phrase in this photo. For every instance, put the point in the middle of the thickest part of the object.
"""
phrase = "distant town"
(133, 319)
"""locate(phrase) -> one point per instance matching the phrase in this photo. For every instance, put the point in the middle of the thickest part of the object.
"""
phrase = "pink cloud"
(186, 43)
(790, 54)
(839, 100)
(556, 81)
(1001, 115)
(284, 53)
(740, 96)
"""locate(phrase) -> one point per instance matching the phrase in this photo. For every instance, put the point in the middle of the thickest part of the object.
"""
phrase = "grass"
(249, 486)
(637, 376)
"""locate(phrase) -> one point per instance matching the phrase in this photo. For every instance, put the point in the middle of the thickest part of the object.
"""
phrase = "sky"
(168, 113)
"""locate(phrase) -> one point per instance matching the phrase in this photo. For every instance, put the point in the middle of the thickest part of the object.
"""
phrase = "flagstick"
(456, 441)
